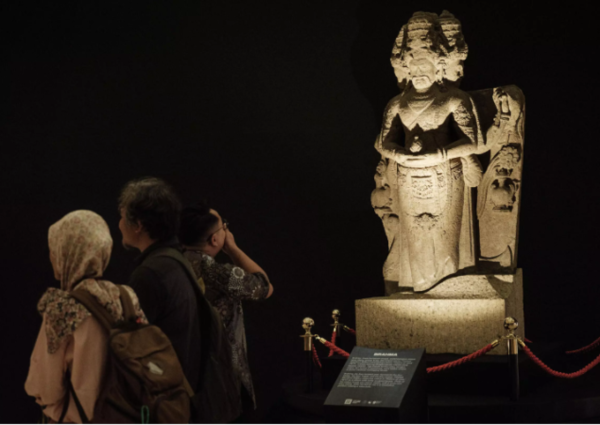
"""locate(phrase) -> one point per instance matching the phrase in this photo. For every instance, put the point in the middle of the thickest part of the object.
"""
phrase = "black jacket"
(169, 301)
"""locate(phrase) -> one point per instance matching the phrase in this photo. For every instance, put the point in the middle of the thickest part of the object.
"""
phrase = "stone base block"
(460, 315)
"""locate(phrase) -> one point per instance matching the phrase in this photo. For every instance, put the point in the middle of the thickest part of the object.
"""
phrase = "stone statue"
(447, 190)
(431, 142)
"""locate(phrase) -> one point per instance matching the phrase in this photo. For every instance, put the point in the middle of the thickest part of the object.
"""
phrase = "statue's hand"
(400, 157)
(497, 96)
(389, 153)
(498, 92)
(515, 111)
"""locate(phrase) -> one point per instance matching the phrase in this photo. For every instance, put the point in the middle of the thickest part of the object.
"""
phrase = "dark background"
(270, 109)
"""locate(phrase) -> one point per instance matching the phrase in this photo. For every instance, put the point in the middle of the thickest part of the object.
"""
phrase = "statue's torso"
(428, 189)
(428, 117)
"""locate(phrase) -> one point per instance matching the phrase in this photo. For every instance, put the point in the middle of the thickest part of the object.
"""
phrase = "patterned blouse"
(226, 287)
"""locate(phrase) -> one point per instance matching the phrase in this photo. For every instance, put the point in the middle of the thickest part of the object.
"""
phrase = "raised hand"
(229, 245)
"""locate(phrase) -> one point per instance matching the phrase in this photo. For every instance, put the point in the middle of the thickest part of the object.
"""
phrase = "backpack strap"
(127, 303)
(71, 390)
(106, 320)
(66, 402)
(100, 313)
(178, 256)
(82, 415)
(94, 307)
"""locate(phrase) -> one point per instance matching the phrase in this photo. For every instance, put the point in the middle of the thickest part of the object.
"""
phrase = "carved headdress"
(437, 38)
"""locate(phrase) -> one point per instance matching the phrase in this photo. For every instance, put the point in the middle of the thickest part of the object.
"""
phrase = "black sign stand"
(380, 386)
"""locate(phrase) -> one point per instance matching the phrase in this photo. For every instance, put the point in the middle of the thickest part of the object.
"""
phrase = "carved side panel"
(384, 200)
(502, 114)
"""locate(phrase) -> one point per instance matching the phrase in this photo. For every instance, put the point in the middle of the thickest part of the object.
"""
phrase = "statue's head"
(423, 73)
(456, 49)
(429, 49)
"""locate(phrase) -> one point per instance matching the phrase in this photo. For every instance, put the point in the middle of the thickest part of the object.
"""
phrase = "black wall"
(270, 109)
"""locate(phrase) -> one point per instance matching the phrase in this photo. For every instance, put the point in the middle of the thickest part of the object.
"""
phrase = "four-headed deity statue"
(429, 142)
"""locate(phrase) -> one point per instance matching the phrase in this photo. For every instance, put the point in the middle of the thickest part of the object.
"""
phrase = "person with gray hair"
(149, 221)
(169, 293)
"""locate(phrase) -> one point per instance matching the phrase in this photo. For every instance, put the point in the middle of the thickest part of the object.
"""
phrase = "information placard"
(389, 384)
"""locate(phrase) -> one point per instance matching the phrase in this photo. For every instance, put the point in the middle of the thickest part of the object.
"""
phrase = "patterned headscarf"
(80, 248)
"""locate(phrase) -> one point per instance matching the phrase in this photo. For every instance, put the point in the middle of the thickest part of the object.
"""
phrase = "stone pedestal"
(460, 315)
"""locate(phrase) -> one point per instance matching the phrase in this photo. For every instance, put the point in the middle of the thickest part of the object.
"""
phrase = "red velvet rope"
(334, 348)
(560, 374)
(429, 369)
(528, 341)
(586, 348)
(333, 335)
(461, 360)
(315, 355)
(352, 331)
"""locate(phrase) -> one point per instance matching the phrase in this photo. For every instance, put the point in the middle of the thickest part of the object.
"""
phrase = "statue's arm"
(465, 124)
(387, 144)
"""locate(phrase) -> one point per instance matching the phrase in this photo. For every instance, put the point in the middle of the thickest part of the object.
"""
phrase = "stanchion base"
(299, 403)
(332, 366)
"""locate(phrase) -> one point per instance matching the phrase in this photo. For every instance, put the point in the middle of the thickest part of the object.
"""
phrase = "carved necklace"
(420, 101)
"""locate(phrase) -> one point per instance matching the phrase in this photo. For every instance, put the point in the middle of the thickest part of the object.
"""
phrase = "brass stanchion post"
(307, 325)
(511, 324)
(337, 326)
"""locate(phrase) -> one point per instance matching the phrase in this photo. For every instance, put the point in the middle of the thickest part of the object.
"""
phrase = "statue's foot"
(406, 289)
(424, 286)
(391, 287)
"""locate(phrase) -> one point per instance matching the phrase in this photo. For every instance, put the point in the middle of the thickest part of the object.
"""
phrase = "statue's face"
(401, 74)
(453, 70)
(422, 73)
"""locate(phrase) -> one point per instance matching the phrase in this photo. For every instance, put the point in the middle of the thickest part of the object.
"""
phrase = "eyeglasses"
(225, 226)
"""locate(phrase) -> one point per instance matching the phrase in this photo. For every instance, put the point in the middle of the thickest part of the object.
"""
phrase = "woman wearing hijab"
(71, 339)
